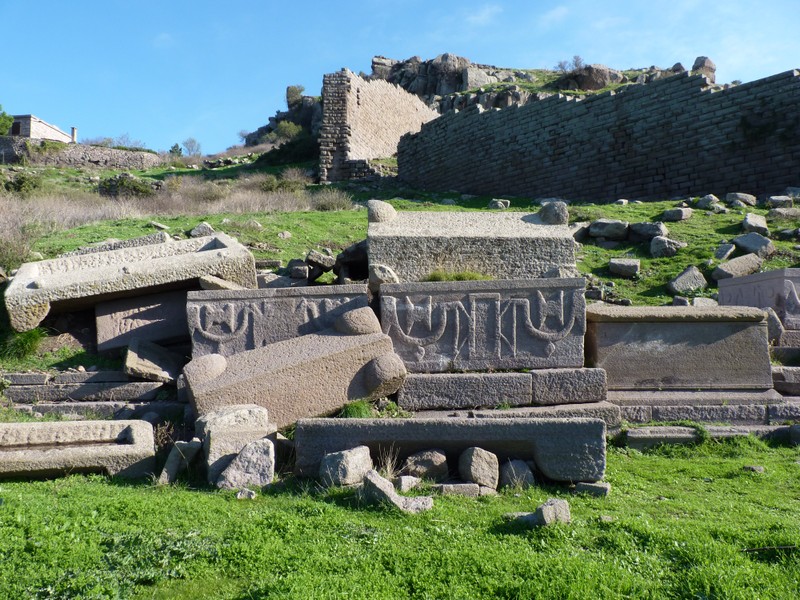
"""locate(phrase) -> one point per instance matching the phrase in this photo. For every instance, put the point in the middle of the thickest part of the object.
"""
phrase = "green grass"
(681, 522)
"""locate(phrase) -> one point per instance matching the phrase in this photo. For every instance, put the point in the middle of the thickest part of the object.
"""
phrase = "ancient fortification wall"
(362, 120)
(671, 137)
(12, 149)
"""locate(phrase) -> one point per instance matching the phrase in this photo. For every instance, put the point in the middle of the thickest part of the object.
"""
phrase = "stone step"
(739, 414)
(648, 437)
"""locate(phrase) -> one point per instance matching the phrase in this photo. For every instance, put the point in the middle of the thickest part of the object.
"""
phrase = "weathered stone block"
(253, 466)
(624, 267)
(679, 348)
(567, 386)
(563, 449)
(478, 325)
(427, 464)
(378, 490)
(118, 448)
(84, 392)
(221, 446)
(606, 411)
(180, 457)
(516, 473)
(153, 362)
(347, 467)
(479, 466)
(737, 267)
(315, 374)
(423, 391)
(237, 416)
(83, 280)
(151, 318)
(505, 245)
(229, 322)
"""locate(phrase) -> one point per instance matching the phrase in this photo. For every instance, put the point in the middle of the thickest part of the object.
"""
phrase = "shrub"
(329, 199)
(269, 183)
(23, 184)
(459, 276)
(294, 95)
(358, 409)
(303, 148)
(125, 185)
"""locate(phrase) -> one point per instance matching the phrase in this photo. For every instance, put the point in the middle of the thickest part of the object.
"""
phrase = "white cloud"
(484, 15)
(163, 40)
(553, 16)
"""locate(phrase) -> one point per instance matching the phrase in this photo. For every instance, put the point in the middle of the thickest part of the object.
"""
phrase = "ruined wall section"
(363, 120)
(13, 149)
(672, 137)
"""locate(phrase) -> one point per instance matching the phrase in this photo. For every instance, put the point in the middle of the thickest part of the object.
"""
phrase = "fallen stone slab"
(75, 281)
(105, 409)
(606, 411)
(229, 322)
(551, 387)
(690, 279)
(210, 282)
(551, 512)
(786, 380)
(479, 325)
(254, 466)
(747, 199)
(238, 416)
(708, 397)
(180, 457)
(673, 215)
(45, 449)
(664, 348)
(642, 438)
(506, 245)
(755, 243)
(160, 237)
(315, 374)
(150, 361)
(664, 247)
(775, 289)
(221, 446)
(755, 223)
(644, 232)
(90, 377)
(26, 378)
(468, 490)
(563, 449)
(84, 392)
(599, 488)
(610, 229)
(378, 490)
(625, 267)
(427, 464)
(151, 317)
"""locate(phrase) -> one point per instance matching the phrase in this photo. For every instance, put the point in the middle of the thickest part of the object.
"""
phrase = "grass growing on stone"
(680, 522)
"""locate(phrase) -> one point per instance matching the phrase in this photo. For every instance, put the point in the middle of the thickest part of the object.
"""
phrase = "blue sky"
(165, 70)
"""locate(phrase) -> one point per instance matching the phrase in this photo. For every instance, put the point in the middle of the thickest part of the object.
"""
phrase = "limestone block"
(423, 391)
(755, 223)
(427, 464)
(553, 511)
(151, 318)
(624, 267)
(737, 267)
(83, 392)
(599, 488)
(152, 362)
(771, 289)
(468, 490)
(76, 281)
(253, 466)
(679, 348)
(644, 232)
(315, 374)
(180, 457)
(505, 245)
(479, 466)
(747, 199)
(229, 322)
(221, 446)
(609, 413)
(610, 229)
(780, 202)
(347, 467)
(672, 215)
(378, 490)
(44, 449)
(707, 202)
(241, 416)
(563, 449)
(160, 237)
(724, 251)
(479, 325)
(516, 473)
(661, 247)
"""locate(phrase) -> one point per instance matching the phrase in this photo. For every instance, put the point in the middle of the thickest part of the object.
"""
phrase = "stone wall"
(12, 149)
(363, 120)
(672, 137)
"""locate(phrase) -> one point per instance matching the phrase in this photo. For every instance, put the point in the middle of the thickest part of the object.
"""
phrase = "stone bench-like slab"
(227, 322)
(86, 279)
(649, 437)
(677, 349)
(501, 244)
(120, 448)
(83, 392)
(563, 449)
(479, 325)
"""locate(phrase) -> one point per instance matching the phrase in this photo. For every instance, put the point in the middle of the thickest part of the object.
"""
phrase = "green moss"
(457, 276)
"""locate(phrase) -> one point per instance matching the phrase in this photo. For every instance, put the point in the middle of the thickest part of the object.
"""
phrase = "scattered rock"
(707, 201)
(784, 213)
(690, 279)
(347, 467)
(254, 466)
(705, 66)
(469, 490)
(499, 204)
(747, 199)
(755, 223)
(724, 251)
(610, 229)
(621, 202)
(738, 267)
(245, 494)
(661, 247)
(625, 267)
(406, 483)
(479, 466)
(285, 235)
(754, 468)
(380, 212)
(427, 464)
(554, 213)
(644, 232)
(599, 488)
(202, 230)
(378, 490)
(672, 215)
(755, 243)
(780, 202)
(553, 511)
(516, 473)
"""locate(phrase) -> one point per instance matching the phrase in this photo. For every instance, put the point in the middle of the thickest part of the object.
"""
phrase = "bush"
(304, 148)
(23, 184)
(125, 185)
(329, 199)
(269, 183)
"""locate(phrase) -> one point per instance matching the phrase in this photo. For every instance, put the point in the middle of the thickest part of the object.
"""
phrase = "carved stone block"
(480, 325)
(150, 318)
(229, 322)
(772, 289)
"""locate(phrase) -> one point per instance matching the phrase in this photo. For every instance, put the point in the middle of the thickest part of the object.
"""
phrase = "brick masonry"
(363, 120)
(677, 136)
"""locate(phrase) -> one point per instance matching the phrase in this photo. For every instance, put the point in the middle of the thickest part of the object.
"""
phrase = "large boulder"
(590, 77)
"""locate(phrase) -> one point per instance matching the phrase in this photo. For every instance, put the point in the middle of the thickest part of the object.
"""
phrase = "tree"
(294, 95)
(6, 121)
(191, 146)
(176, 151)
